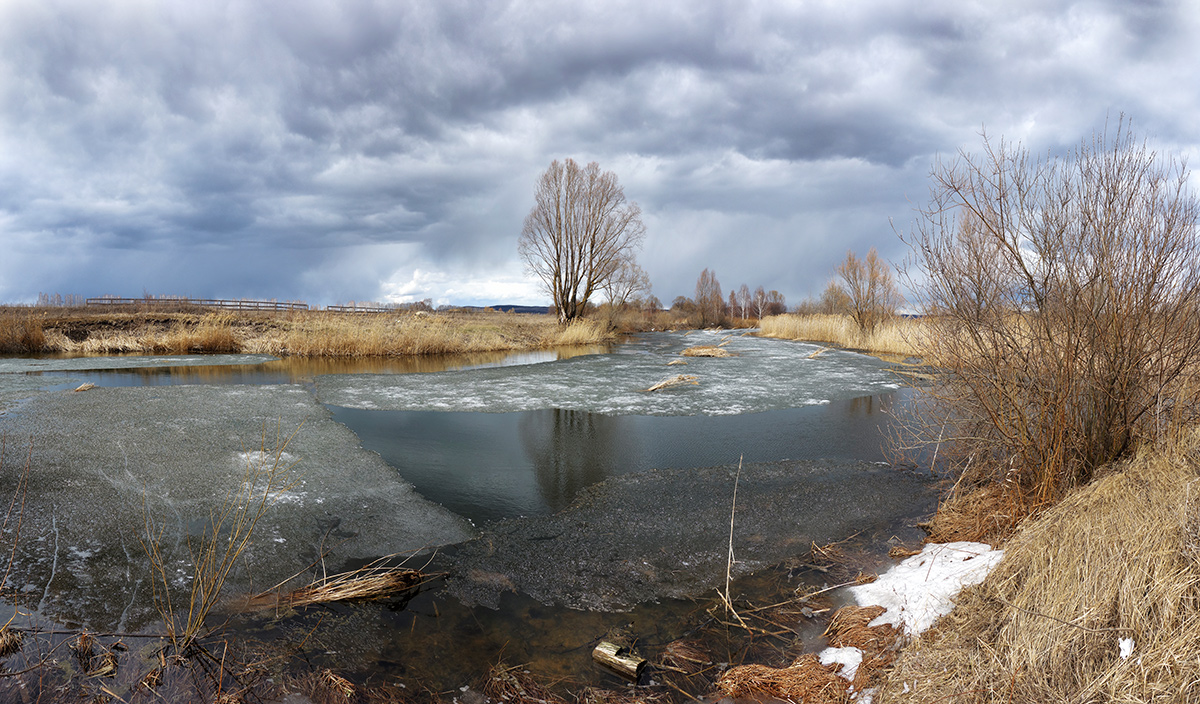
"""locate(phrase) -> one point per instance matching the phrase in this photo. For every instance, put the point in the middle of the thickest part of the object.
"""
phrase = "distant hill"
(534, 310)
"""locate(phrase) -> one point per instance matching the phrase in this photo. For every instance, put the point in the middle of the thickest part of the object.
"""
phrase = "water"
(488, 466)
(564, 489)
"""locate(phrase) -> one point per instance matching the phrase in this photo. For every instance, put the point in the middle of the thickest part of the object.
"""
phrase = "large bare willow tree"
(579, 234)
(1062, 297)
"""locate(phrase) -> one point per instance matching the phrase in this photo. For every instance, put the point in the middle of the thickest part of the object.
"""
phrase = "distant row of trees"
(710, 307)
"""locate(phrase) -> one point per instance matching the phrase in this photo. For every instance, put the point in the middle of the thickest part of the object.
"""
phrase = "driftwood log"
(619, 659)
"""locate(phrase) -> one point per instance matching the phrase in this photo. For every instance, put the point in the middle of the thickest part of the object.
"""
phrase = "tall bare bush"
(867, 291)
(1062, 296)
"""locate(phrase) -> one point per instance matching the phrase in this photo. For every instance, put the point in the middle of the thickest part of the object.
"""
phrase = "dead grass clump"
(1097, 599)
(983, 515)
(688, 657)
(707, 351)
(579, 332)
(10, 641)
(21, 332)
(514, 685)
(849, 628)
(595, 695)
(807, 680)
(678, 380)
(374, 582)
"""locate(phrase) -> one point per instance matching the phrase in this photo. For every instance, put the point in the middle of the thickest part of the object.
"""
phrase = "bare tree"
(758, 303)
(628, 282)
(1062, 296)
(743, 300)
(710, 304)
(869, 290)
(834, 300)
(579, 233)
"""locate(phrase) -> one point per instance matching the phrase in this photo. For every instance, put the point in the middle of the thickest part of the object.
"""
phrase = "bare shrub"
(1062, 298)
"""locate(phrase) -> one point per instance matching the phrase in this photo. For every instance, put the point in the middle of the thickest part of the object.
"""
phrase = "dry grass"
(849, 629)
(807, 680)
(379, 580)
(515, 685)
(296, 333)
(707, 351)
(900, 336)
(1119, 558)
(21, 332)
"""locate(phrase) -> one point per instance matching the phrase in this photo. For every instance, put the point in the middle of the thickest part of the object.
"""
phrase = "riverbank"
(83, 331)
(1097, 599)
(898, 337)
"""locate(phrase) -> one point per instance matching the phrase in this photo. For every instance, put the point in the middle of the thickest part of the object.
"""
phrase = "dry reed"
(308, 334)
(514, 685)
(376, 581)
(899, 336)
(706, 351)
(1117, 559)
(21, 332)
(807, 680)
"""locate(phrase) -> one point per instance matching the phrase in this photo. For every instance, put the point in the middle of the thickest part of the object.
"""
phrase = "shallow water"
(586, 492)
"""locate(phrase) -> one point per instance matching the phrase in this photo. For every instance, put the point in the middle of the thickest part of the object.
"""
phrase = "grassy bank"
(897, 337)
(1115, 565)
(295, 333)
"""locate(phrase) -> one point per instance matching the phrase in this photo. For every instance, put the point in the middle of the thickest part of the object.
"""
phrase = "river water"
(559, 487)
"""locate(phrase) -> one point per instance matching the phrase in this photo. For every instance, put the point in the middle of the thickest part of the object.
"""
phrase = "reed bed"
(1097, 599)
(21, 332)
(299, 333)
(900, 336)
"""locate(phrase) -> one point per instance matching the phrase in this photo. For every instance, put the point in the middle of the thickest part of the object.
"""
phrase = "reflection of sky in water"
(765, 375)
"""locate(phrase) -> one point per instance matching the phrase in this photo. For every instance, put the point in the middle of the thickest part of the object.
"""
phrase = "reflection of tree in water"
(569, 451)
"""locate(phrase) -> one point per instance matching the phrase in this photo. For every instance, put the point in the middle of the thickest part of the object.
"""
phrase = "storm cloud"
(329, 151)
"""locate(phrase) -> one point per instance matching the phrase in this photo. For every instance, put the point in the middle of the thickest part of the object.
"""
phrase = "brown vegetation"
(898, 336)
(297, 333)
(1061, 300)
(868, 291)
(1118, 559)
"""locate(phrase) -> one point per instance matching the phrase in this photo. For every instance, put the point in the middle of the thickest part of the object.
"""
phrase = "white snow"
(850, 659)
(1126, 647)
(921, 589)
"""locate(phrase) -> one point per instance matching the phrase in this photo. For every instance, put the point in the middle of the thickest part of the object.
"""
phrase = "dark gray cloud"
(336, 150)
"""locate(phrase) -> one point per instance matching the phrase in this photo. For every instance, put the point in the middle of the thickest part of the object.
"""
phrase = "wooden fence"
(223, 303)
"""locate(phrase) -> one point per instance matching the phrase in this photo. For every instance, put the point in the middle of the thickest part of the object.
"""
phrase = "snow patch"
(921, 589)
(849, 658)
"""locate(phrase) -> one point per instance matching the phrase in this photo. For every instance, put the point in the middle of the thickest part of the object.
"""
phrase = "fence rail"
(224, 303)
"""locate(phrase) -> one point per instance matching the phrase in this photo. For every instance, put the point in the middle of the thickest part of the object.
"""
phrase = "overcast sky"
(345, 150)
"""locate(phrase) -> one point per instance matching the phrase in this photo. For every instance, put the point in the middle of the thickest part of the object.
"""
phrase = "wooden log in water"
(619, 659)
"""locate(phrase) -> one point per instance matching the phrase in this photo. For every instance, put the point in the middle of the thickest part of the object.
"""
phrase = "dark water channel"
(598, 505)
(489, 466)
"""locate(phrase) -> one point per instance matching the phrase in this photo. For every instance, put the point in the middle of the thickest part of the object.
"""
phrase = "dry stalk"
(213, 556)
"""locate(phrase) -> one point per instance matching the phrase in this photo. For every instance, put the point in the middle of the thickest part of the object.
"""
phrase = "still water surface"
(493, 438)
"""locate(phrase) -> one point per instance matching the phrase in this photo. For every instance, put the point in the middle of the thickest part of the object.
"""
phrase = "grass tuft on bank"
(899, 336)
(1097, 599)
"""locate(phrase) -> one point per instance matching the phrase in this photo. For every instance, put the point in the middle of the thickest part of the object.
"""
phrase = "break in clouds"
(329, 151)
